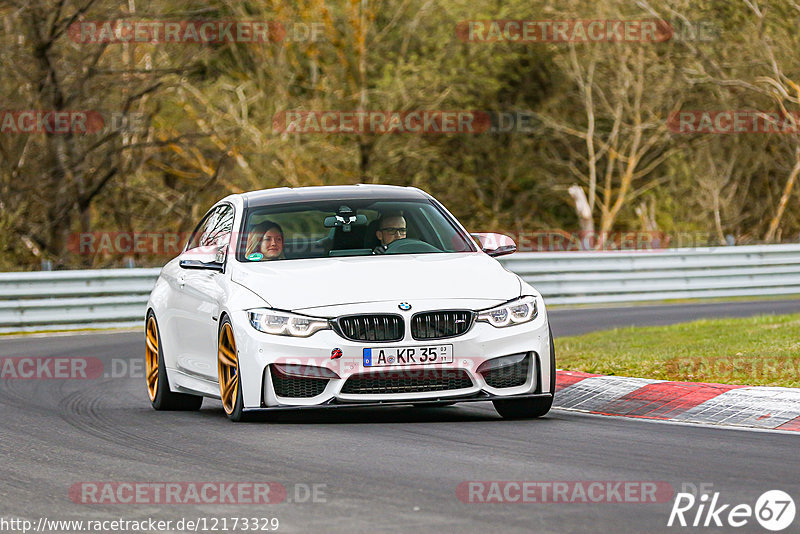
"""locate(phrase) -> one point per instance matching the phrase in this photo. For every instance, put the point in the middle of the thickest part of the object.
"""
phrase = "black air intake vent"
(407, 381)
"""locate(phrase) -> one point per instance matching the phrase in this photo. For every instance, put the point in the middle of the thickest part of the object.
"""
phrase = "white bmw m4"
(337, 296)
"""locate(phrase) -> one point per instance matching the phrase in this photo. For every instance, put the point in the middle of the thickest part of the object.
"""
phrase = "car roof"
(282, 195)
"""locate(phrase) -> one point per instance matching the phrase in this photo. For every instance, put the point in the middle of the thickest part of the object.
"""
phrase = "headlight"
(284, 323)
(517, 311)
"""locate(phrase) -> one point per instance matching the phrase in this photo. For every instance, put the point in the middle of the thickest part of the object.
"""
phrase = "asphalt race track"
(384, 470)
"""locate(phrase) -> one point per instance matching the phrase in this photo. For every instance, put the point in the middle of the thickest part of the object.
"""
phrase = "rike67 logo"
(774, 510)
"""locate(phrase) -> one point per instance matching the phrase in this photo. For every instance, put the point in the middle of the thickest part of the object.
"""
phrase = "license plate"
(384, 356)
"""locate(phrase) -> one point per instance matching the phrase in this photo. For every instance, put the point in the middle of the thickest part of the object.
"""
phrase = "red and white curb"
(689, 402)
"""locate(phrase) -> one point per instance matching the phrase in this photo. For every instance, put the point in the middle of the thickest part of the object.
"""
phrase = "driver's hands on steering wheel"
(381, 249)
(409, 246)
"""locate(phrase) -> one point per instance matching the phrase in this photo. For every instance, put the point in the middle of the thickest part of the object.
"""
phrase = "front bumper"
(258, 351)
(335, 403)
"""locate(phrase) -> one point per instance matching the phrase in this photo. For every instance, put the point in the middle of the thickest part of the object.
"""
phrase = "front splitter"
(334, 403)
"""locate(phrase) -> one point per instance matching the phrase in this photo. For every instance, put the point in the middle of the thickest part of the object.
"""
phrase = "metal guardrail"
(117, 297)
(607, 277)
(69, 300)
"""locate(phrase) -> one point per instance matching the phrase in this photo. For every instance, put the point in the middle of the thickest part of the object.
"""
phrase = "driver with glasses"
(391, 227)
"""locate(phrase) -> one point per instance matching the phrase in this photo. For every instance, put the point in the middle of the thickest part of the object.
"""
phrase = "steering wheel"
(409, 246)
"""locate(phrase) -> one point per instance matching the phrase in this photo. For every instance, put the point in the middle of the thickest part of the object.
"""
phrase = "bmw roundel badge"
(405, 306)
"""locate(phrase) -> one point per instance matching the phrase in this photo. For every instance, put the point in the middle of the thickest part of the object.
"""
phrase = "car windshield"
(333, 228)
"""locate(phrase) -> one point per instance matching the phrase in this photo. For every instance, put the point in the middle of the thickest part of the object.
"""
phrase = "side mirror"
(495, 244)
(205, 258)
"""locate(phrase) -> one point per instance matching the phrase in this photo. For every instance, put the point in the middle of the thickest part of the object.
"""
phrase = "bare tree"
(623, 131)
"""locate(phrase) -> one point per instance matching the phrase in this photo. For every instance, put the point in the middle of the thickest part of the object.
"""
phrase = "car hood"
(313, 283)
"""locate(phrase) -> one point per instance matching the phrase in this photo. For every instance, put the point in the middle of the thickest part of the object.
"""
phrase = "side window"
(214, 230)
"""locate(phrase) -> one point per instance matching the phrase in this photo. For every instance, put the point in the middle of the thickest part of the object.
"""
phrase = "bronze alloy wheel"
(151, 357)
(228, 368)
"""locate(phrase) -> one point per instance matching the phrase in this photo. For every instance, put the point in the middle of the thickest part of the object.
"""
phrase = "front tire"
(161, 398)
(230, 384)
(530, 408)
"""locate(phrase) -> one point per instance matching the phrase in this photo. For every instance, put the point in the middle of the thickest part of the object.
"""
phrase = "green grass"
(709, 300)
(760, 351)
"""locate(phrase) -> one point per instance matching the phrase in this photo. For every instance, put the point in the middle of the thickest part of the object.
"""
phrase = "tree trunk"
(787, 193)
(584, 213)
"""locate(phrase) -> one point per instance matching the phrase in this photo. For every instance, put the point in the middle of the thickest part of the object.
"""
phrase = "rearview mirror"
(339, 220)
(495, 244)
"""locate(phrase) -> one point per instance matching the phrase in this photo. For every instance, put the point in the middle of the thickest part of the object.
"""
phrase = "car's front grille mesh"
(440, 324)
(296, 387)
(407, 381)
(371, 327)
(509, 376)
